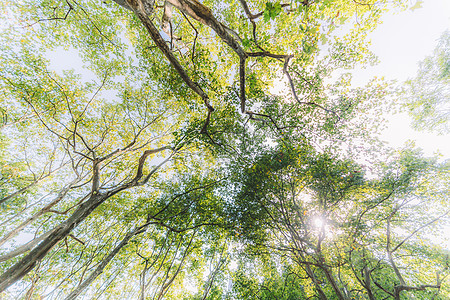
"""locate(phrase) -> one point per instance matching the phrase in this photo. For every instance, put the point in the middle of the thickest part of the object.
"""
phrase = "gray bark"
(28, 262)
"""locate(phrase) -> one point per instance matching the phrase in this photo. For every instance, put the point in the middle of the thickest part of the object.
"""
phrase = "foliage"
(203, 151)
(426, 97)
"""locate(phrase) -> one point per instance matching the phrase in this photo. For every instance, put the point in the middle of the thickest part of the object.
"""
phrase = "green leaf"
(417, 5)
(271, 11)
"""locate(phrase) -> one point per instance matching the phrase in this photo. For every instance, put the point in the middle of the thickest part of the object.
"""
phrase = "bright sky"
(401, 42)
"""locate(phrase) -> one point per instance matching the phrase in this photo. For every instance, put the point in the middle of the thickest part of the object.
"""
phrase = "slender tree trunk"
(142, 281)
(311, 275)
(214, 273)
(367, 283)
(80, 288)
(329, 275)
(166, 286)
(333, 283)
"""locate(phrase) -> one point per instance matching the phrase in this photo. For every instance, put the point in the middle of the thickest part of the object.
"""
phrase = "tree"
(341, 235)
(130, 189)
(426, 96)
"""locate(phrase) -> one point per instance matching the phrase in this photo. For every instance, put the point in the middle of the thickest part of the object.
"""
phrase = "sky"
(400, 42)
(403, 40)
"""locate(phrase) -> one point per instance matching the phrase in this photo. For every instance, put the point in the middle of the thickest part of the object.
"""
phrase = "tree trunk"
(27, 263)
(333, 283)
(311, 275)
(80, 288)
(367, 281)
(34, 217)
(24, 248)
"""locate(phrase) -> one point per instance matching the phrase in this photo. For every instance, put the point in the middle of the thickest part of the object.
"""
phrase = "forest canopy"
(181, 149)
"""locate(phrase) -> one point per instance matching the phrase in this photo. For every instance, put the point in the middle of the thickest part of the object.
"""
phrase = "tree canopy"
(181, 149)
(426, 96)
